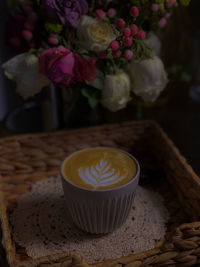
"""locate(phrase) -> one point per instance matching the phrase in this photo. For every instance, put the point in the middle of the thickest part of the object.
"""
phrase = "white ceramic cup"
(99, 211)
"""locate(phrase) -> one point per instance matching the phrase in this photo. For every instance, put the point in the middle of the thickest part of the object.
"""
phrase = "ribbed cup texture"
(99, 218)
(100, 211)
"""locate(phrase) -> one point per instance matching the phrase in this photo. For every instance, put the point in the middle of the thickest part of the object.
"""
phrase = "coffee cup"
(99, 186)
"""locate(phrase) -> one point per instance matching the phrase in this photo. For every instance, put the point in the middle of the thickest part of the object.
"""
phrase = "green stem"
(105, 4)
(92, 6)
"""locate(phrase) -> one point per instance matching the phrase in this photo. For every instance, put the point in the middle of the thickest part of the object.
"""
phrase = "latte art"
(99, 168)
(101, 175)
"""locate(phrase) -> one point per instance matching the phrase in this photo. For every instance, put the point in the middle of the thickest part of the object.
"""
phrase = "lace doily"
(42, 225)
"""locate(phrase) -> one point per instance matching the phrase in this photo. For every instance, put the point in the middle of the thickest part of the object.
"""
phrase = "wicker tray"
(26, 159)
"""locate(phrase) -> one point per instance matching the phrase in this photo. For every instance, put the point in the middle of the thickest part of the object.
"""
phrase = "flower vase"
(74, 111)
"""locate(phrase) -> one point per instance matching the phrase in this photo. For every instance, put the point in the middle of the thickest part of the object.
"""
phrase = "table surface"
(176, 112)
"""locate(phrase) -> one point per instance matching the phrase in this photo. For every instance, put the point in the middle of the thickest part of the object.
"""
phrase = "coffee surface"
(99, 168)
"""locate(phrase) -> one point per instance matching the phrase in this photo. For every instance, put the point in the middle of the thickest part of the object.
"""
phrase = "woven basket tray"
(26, 159)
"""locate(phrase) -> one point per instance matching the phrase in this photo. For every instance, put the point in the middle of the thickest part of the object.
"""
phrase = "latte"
(99, 168)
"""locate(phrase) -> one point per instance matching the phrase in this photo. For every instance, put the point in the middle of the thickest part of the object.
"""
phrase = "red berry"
(128, 54)
(121, 23)
(27, 35)
(102, 54)
(100, 14)
(114, 45)
(127, 32)
(141, 35)
(134, 12)
(117, 54)
(53, 39)
(127, 41)
(111, 13)
(134, 29)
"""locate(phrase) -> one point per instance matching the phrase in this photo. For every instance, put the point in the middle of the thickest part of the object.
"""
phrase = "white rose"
(24, 70)
(153, 42)
(94, 34)
(148, 78)
(116, 92)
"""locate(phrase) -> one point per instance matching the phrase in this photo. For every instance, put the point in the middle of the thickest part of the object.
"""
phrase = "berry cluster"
(128, 32)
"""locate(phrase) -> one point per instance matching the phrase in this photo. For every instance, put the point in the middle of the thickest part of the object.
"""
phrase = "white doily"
(41, 224)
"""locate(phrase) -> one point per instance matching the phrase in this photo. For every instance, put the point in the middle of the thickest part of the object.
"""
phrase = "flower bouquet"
(104, 51)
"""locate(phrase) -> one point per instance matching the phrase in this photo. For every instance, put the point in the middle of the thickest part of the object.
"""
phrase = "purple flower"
(68, 11)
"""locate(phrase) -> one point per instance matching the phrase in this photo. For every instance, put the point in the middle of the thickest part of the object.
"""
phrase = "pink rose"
(62, 67)
(58, 65)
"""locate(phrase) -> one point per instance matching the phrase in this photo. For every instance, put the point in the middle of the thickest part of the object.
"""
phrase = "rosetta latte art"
(99, 168)
(100, 175)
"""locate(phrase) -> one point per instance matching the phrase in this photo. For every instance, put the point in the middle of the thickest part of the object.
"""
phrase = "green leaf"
(53, 27)
(91, 95)
(83, 53)
(65, 42)
(32, 51)
(106, 20)
(185, 2)
(98, 83)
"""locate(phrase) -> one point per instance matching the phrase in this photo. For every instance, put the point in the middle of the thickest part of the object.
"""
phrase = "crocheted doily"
(42, 225)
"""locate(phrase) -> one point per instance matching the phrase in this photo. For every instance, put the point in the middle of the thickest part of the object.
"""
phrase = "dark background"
(178, 108)
(176, 111)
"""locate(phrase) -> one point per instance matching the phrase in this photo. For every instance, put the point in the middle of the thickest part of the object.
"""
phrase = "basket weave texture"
(26, 159)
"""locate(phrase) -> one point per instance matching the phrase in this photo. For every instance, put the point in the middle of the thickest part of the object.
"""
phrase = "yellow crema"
(99, 168)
